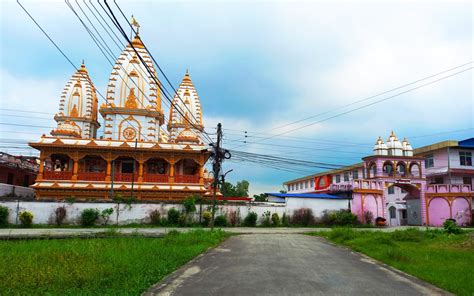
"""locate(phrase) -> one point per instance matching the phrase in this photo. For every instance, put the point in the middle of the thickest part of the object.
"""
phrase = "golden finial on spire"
(135, 24)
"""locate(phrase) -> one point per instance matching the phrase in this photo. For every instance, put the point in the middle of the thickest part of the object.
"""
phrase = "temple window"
(338, 178)
(401, 169)
(415, 170)
(388, 168)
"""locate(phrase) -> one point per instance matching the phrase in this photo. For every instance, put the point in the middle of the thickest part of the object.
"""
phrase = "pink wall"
(370, 205)
(438, 211)
(357, 205)
(461, 211)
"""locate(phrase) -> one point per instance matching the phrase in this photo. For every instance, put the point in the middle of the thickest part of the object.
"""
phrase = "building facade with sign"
(140, 153)
(403, 185)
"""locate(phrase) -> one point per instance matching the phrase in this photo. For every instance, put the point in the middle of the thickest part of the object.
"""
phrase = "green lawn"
(98, 266)
(446, 261)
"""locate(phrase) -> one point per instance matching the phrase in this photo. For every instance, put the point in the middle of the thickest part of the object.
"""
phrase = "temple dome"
(78, 104)
(133, 97)
(380, 148)
(67, 129)
(185, 111)
(394, 146)
(407, 148)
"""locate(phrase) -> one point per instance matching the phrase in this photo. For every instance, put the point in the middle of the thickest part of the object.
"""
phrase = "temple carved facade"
(140, 152)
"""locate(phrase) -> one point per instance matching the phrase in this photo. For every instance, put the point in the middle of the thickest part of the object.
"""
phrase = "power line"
(367, 105)
(64, 55)
(151, 73)
(157, 64)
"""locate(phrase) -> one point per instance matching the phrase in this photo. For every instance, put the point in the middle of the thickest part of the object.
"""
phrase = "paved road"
(286, 264)
(71, 232)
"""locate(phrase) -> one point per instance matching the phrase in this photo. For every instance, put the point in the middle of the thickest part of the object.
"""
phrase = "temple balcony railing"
(91, 176)
(448, 188)
(52, 175)
(156, 178)
(125, 177)
(193, 179)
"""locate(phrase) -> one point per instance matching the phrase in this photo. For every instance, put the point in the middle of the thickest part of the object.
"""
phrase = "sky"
(260, 65)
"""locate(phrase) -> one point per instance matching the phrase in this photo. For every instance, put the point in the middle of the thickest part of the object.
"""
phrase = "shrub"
(206, 217)
(89, 217)
(155, 217)
(302, 217)
(60, 214)
(275, 219)
(3, 216)
(26, 218)
(189, 205)
(451, 227)
(220, 221)
(105, 214)
(339, 218)
(251, 219)
(182, 219)
(284, 220)
(173, 216)
(266, 218)
(234, 218)
(368, 217)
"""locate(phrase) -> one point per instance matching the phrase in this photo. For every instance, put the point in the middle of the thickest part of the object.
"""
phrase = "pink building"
(424, 186)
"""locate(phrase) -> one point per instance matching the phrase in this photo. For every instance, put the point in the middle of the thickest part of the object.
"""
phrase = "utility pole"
(216, 168)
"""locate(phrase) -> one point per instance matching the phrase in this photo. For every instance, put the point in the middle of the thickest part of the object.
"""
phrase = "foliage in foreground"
(442, 259)
(101, 266)
(3, 216)
(26, 218)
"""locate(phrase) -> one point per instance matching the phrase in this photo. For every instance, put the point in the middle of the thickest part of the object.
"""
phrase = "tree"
(242, 188)
(260, 197)
(239, 190)
(227, 189)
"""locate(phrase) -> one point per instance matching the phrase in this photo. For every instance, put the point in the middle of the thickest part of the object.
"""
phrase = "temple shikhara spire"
(77, 115)
(162, 157)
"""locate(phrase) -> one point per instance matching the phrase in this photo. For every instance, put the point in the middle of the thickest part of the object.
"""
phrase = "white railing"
(357, 184)
(448, 188)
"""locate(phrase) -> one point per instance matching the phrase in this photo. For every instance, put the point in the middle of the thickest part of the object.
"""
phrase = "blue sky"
(258, 65)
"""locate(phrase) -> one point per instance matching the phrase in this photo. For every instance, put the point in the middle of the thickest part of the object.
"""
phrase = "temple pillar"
(41, 167)
(201, 174)
(140, 171)
(75, 167)
(171, 175)
(108, 170)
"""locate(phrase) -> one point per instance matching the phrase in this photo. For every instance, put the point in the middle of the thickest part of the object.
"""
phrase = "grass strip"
(445, 260)
(114, 266)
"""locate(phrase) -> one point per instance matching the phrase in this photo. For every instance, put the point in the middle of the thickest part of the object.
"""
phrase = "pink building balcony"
(50, 175)
(357, 184)
(186, 179)
(156, 178)
(448, 188)
(89, 176)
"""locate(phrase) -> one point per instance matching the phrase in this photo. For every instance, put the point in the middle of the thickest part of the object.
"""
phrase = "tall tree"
(239, 190)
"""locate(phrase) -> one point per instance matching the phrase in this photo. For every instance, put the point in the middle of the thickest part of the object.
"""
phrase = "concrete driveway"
(287, 264)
